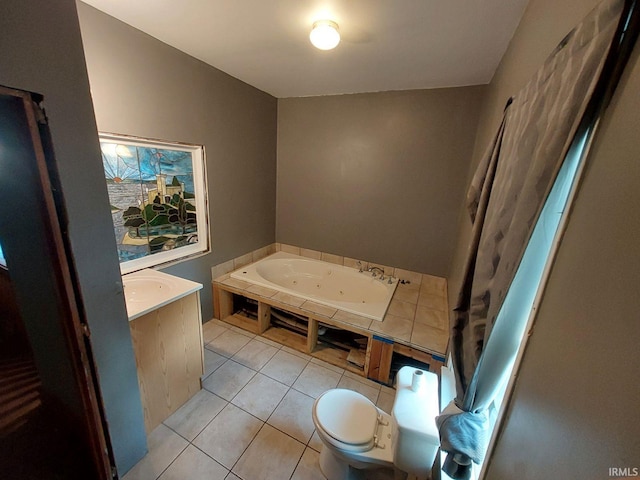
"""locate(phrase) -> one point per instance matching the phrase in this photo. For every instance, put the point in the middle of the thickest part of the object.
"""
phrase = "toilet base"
(335, 468)
(332, 467)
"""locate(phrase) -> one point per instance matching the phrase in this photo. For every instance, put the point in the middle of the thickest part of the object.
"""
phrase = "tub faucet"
(373, 272)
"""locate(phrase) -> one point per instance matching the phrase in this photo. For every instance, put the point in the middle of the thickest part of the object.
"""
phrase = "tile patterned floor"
(252, 419)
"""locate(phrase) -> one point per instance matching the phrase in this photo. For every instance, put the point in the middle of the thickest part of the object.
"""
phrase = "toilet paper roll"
(418, 381)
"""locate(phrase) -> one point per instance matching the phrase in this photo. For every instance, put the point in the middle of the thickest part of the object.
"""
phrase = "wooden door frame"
(74, 326)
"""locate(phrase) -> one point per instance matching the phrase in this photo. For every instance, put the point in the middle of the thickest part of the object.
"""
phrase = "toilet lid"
(347, 416)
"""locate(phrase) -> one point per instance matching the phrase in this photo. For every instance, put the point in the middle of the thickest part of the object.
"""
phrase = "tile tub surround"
(250, 257)
(417, 316)
(212, 437)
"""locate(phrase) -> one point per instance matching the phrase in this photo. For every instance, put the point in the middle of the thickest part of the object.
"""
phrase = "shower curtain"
(504, 200)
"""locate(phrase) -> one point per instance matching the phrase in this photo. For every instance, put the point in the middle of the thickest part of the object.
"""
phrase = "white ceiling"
(386, 44)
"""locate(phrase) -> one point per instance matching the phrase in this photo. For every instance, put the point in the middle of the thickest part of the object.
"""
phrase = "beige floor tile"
(431, 338)
(277, 345)
(315, 442)
(228, 380)
(308, 468)
(212, 361)
(284, 367)
(351, 384)
(293, 416)
(395, 327)
(327, 365)
(211, 330)
(228, 435)
(272, 455)
(255, 354)
(362, 379)
(385, 402)
(190, 419)
(431, 317)
(194, 465)
(316, 379)
(219, 322)
(389, 390)
(295, 352)
(260, 396)
(402, 309)
(234, 435)
(164, 447)
(228, 343)
(242, 331)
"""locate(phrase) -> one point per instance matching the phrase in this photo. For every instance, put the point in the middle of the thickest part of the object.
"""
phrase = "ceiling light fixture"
(324, 35)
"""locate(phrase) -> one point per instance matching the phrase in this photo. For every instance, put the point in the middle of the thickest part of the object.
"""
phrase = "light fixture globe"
(324, 35)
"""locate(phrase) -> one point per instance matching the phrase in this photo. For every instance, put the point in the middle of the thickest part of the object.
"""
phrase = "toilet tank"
(415, 435)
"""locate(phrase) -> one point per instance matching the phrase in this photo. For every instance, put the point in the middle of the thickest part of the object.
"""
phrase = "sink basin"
(148, 290)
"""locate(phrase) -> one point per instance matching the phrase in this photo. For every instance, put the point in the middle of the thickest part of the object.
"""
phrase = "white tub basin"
(333, 285)
(147, 290)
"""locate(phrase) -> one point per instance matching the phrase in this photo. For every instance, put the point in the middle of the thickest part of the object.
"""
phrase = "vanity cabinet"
(169, 357)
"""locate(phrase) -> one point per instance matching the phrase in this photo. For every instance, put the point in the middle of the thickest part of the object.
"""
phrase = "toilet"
(355, 433)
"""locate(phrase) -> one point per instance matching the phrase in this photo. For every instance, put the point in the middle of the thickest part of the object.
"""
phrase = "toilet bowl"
(357, 435)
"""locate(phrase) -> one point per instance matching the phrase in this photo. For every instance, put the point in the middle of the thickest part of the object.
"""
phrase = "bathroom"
(254, 144)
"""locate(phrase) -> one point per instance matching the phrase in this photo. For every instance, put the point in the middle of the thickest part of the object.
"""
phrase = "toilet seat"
(356, 435)
(348, 419)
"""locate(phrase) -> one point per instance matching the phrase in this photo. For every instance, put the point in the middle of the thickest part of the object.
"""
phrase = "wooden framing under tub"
(374, 363)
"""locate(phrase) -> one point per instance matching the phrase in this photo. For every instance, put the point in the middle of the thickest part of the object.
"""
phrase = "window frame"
(166, 255)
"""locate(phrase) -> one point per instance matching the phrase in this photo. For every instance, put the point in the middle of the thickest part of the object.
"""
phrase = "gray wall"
(42, 52)
(376, 176)
(143, 87)
(574, 407)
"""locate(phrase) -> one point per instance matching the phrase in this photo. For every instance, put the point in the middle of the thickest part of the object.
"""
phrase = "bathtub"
(333, 285)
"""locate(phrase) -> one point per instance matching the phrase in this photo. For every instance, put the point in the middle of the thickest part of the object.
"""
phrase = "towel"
(465, 437)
